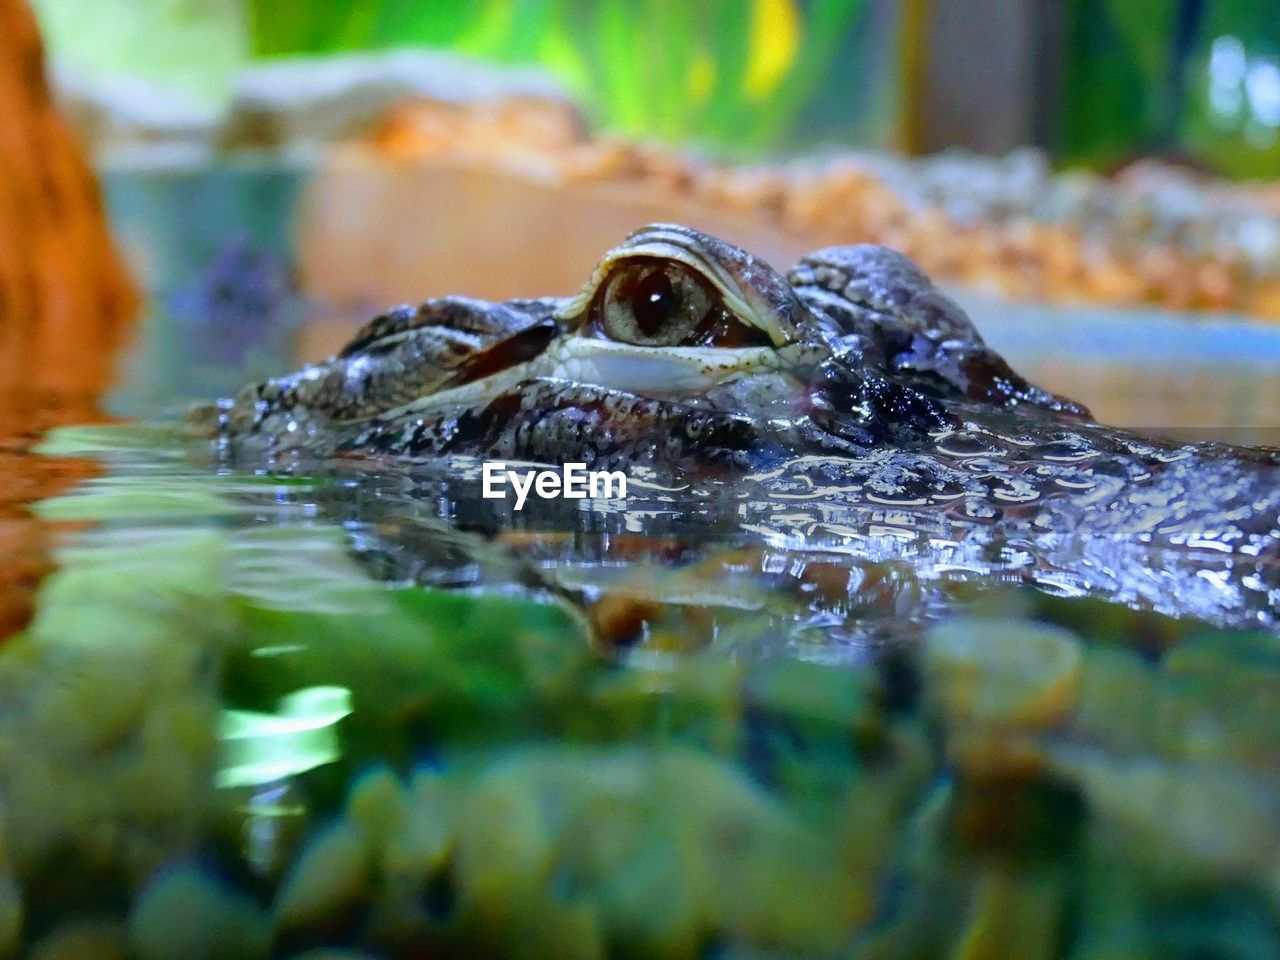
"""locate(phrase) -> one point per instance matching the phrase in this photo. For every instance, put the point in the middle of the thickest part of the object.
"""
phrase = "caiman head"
(851, 404)
(681, 351)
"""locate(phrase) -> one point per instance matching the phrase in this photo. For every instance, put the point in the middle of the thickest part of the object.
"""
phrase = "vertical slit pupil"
(654, 301)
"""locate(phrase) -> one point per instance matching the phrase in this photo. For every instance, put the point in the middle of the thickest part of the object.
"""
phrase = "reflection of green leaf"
(264, 748)
(129, 586)
(173, 495)
(300, 711)
(108, 440)
(110, 498)
(300, 568)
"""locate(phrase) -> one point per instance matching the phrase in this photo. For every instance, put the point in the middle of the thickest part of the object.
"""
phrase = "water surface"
(272, 713)
(253, 716)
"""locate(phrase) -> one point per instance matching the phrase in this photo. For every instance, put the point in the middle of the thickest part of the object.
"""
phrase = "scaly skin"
(855, 408)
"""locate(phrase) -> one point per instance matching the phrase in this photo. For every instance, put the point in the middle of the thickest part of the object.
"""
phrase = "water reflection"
(25, 542)
(482, 780)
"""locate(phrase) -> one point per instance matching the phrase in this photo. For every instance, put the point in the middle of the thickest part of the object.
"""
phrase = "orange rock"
(1218, 285)
(1264, 299)
(65, 301)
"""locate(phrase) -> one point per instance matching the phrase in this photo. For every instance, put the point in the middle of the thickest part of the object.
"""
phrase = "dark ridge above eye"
(522, 346)
(462, 314)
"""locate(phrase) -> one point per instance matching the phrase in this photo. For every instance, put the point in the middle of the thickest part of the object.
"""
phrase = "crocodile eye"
(653, 303)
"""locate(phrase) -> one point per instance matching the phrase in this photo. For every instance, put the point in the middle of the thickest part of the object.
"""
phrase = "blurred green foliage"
(1116, 90)
(338, 25)
(1191, 79)
(1197, 80)
(734, 73)
(1232, 116)
(731, 72)
(191, 49)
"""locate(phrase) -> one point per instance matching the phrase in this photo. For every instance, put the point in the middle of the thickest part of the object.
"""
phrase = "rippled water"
(257, 715)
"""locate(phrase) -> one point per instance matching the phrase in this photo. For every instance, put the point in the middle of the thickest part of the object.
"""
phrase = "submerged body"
(848, 408)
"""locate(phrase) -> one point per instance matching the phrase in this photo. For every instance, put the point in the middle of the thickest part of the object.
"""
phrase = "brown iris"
(650, 302)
